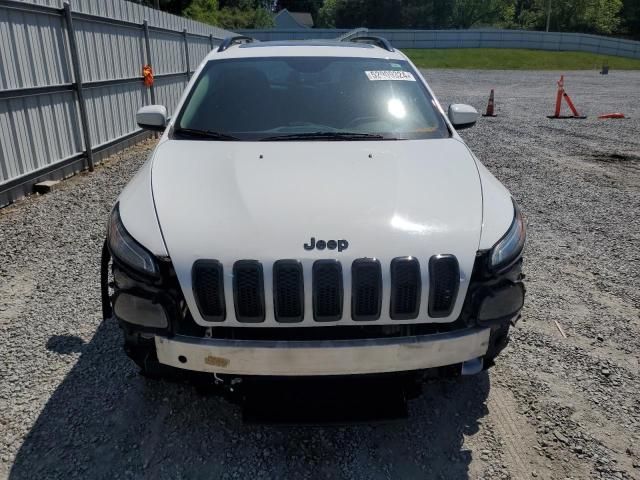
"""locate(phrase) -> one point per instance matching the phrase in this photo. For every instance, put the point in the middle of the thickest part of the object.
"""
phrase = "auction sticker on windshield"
(390, 75)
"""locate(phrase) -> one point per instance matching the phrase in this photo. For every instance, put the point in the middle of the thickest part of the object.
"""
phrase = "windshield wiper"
(325, 136)
(209, 134)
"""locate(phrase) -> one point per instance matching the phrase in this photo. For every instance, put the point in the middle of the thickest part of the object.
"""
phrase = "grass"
(516, 59)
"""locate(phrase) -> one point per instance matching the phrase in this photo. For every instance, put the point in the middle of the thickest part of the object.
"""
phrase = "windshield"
(318, 98)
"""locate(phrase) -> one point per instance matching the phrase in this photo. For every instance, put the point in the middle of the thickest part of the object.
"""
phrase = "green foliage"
(516, 59)
(238, 14)
(171, 6)
(590, 16)
(205, 11)
(413, 13)
(244, 16)
(470, 13)
(593, 16)
(631, 18)
(327, 14)
(427, 14)
(311, 6)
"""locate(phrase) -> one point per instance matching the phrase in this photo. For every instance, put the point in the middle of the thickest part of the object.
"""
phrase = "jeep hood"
(264, 200)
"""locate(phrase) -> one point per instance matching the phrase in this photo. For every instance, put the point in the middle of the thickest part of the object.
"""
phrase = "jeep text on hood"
(311, 210)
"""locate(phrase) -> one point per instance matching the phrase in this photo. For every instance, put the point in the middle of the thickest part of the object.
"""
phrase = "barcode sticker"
(390, 75)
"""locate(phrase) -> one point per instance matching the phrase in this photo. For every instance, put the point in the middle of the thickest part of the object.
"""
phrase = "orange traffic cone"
(562, 94)
(490, 106)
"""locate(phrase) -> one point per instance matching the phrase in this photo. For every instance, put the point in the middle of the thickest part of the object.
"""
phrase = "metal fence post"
(147, 44)
(186, 52)
(73, 46)
(211, 41)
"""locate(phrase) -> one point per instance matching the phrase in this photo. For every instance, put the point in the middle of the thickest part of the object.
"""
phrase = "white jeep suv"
(310, 210)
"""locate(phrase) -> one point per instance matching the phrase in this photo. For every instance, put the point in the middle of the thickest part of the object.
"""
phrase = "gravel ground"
(72, 405)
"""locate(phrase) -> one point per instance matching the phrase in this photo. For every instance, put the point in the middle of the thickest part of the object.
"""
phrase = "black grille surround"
(326, 283)
(208, 289)
(444, 278)
(288, 291)
(366, 289)
(406, 287)
(248, 291)
(327, 291)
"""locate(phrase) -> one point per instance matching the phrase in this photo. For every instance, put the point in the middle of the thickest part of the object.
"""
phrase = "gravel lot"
(72, 405)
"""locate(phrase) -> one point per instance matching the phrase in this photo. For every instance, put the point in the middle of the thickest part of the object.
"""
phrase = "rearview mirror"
(462, 116)
(152, 117)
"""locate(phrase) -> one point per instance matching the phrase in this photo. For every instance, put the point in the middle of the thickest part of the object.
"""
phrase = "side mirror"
(462, 116)
(152, 117)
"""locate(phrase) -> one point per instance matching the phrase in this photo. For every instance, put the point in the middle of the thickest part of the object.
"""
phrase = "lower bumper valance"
(327, 357)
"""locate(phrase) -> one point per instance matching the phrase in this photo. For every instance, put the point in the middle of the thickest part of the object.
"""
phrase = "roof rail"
(352, 33)
(378, 41)
(229, 41)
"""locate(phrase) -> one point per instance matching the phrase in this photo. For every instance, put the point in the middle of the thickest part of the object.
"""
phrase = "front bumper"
(328, 357)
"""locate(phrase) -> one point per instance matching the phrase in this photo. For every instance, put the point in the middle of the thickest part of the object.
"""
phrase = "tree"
(413, 13)
(630, 16)
(469, 13)
(311, 6)
(430, 14)
(234, 17)
(171, 6)
(205, 11)
(591, 16)
(364, 13)
(236, 14)
(327, 14)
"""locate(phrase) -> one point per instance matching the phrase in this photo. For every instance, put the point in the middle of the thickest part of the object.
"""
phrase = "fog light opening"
(182, 359)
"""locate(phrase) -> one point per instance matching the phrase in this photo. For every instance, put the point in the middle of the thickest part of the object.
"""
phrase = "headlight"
(126, 249)
(511, 244)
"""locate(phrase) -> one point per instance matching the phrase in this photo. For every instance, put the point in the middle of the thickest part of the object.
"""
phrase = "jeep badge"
(330, 244)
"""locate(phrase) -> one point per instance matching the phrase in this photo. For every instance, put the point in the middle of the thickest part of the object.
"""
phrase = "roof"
(305, 48)
(287, 20)
(303, 18)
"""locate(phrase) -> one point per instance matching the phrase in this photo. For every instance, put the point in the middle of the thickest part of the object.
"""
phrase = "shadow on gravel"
(65, 344)
(105, 421)
(616, 157)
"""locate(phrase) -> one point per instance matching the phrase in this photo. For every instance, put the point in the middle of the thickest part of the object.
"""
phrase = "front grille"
(444, 274)
(366, 289)
(404, 285)
(208, 289)
(288, 291)
(327, 291)
(405, 288)
(248, 291)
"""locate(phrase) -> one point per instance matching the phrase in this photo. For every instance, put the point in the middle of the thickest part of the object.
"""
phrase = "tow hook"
(472, 367)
